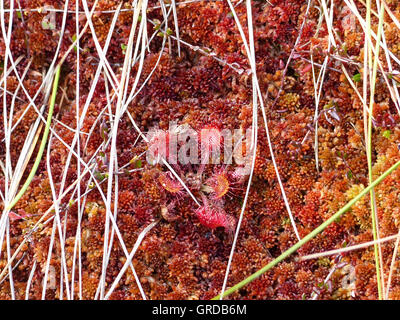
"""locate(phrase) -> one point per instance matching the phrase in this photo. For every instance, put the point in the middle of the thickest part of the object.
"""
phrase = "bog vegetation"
(313, 212)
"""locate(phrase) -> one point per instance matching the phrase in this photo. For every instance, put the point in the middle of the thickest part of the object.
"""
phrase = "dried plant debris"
(136, 79)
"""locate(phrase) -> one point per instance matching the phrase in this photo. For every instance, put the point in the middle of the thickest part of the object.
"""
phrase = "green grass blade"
(310, 236)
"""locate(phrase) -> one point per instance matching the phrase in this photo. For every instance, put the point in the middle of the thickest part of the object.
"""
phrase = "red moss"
(213, 217)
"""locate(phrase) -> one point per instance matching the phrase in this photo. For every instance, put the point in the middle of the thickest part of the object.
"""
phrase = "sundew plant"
(199, 149)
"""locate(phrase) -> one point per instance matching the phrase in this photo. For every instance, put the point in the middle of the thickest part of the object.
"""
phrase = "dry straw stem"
(375, 231)
(42, 144)
(308, 237)
(348, 249)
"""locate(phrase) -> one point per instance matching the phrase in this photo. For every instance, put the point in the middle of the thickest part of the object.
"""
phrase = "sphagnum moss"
(207, 85)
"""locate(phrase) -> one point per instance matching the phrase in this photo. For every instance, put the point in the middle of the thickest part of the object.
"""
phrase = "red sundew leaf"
(212, 217)
(306, 69)
(13, 216)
